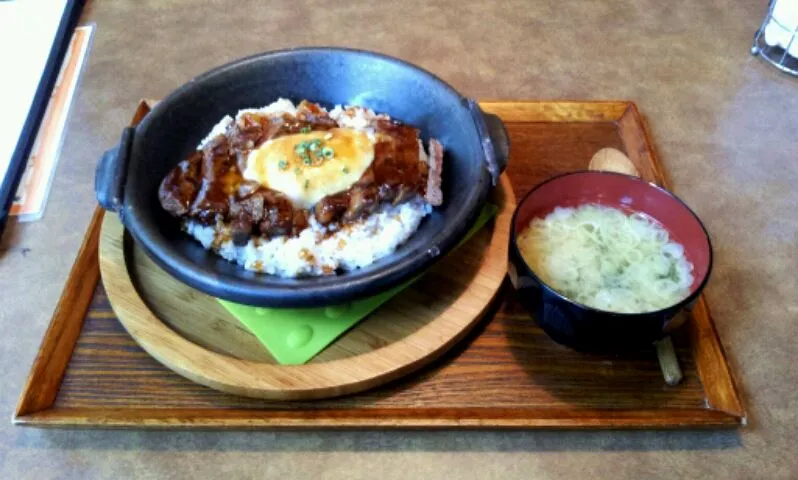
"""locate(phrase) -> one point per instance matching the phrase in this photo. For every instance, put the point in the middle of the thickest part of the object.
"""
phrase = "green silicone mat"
(293, 336)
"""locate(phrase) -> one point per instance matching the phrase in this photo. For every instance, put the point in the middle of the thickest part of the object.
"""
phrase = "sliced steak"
(278, 214)
(241, 230)
(249, 131)
(179, 188)
(434, 195)
(397, 164)
(309, 117)
(397, 174)
(312, 114)
(220, 180)
(363, 199)
(300, 221)
(331, 208)
(209, 186)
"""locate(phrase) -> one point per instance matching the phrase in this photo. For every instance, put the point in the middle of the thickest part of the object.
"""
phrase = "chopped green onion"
(345, 169)
(297, 171)
(307, 161)
(282, 164)
(327, 152)
(305, 129)
(314, 145)
(307, 182)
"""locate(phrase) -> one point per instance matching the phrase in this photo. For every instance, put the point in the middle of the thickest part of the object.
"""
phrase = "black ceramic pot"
(585, 328)
(128, 175)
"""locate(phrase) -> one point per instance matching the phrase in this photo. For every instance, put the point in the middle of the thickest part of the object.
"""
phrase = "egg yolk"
(307, 167)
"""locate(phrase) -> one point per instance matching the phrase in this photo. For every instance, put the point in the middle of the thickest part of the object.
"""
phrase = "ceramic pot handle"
(111, 173)
(494, 138)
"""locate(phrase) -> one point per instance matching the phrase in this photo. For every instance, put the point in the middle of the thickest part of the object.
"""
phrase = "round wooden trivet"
(190, 333)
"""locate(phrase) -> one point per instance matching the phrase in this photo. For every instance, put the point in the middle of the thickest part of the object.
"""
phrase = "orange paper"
(34, 186)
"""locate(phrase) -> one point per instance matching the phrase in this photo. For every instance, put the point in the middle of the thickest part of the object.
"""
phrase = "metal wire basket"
(777, 38)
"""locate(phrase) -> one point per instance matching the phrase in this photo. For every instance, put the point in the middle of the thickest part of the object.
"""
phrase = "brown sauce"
(209, 186)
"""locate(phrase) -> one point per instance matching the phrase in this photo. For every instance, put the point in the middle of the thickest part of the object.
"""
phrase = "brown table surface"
(725, 125)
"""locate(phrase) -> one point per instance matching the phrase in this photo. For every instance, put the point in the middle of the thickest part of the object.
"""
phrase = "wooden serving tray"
(506, 373)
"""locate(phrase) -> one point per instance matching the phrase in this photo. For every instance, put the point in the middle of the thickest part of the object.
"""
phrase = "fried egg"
(307, 167)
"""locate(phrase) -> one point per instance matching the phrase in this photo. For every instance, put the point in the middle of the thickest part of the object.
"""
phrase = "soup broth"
(606, 259)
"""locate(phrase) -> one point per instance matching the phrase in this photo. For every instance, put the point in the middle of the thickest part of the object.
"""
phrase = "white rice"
(358, 118)
(317, 250)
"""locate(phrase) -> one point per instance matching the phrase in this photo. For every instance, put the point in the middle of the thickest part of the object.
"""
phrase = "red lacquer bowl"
(589, 329)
